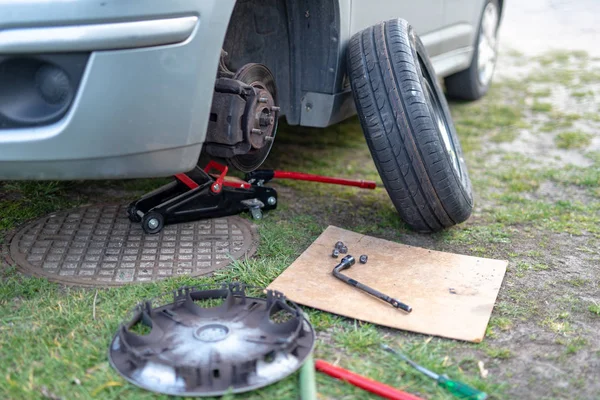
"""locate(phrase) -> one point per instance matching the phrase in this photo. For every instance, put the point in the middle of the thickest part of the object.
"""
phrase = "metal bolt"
(269, 139)
(216, 187)
(257, 131)
(272, 201)
(339, 245)
(152, 223)
(335, 253)
(275, 108)
(263, 100)
(343, 250)
(363, 259)
(309, 106)
(256, 213)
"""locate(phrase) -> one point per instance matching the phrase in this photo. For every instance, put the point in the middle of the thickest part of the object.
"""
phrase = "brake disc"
(254, 338)
(262, 116)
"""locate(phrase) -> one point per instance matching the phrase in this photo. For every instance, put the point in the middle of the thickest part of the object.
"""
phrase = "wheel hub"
(262, 116)
(261, 127)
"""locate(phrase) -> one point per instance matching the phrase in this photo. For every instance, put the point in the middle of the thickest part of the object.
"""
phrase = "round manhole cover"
(98, 245)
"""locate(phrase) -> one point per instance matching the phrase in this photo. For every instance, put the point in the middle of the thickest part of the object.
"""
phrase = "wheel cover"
(487, 47)
(253, 338)
(437, 114)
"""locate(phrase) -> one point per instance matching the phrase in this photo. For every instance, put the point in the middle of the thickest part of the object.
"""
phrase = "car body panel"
(426, 16)
(131, 104)
(95, 37)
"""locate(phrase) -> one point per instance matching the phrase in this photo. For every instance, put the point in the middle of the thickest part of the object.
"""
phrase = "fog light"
(33, 91)
(53, 84)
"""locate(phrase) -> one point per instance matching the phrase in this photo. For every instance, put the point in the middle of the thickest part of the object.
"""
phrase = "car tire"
(475, 81)
(408, 128)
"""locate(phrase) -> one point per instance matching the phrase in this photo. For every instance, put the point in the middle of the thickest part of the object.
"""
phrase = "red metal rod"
(324, 179)
(186, 180)
(378, 388)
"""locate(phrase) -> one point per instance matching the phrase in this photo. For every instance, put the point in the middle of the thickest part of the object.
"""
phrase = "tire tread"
(400, 131)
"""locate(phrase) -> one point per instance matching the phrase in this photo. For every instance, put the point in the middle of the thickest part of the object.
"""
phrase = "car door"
(426, 16)
(461, 17)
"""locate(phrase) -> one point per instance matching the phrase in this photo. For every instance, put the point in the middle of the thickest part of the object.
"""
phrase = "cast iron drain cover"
(99, 246)
(186, 345)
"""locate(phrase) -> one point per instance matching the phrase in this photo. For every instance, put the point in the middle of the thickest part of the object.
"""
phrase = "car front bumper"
(141, 106)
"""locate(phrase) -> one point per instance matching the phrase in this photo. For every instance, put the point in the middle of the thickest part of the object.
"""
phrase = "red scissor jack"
(201, 194)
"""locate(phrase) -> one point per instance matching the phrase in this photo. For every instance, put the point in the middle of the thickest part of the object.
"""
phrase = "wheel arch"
(299, 41)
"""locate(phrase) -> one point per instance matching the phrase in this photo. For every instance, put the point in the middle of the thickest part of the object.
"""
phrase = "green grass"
(559, 324)
(577, 282)
(501, 353)
(359, 339)
(541, 107)
(522, 268)
(554, 57)
(545, 92)
(503, 323)
(575, 345)
(27, 200)
(53, 346)
(582, 94)
(573, 140)
(559, 121)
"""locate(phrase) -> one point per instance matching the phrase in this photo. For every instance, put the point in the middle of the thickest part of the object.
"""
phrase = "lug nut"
(363, 259)
(339, 245)
(344, 250)
(335, 253)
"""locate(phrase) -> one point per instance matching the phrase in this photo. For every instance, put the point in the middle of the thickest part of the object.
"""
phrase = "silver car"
(94, 89)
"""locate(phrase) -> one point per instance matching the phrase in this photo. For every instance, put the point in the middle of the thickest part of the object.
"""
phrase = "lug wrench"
(349, 261)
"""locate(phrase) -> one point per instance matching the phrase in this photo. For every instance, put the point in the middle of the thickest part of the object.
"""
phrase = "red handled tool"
(261, 176)
(378, 388)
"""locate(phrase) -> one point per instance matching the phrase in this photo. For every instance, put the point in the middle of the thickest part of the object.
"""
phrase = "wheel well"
(297, 40)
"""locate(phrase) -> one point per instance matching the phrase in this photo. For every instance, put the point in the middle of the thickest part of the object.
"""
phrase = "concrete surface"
(536, 26)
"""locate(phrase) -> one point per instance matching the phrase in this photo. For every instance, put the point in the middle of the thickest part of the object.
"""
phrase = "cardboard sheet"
(451, 295)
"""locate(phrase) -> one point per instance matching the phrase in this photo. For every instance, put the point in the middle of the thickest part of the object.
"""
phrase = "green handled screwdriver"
(457, 389)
